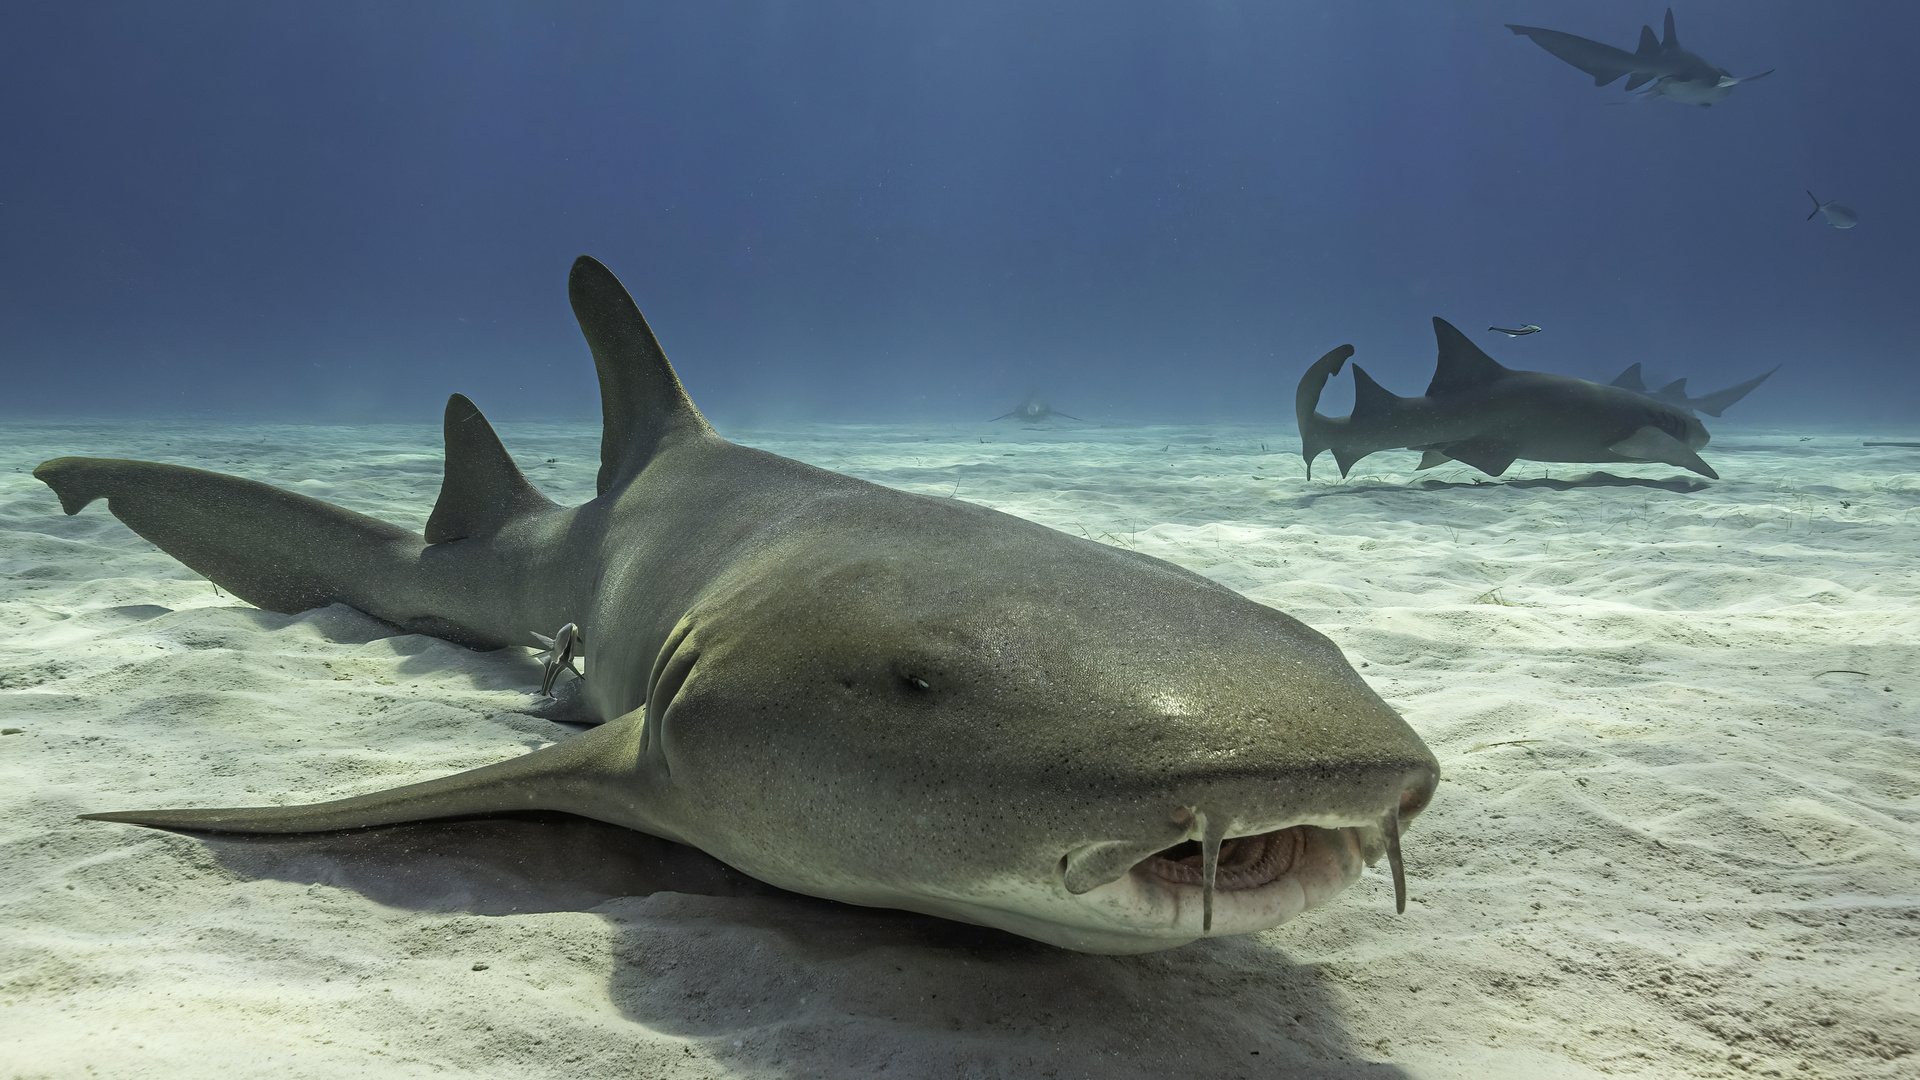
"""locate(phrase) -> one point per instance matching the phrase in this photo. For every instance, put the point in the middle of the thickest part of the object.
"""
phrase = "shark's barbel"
(841, 689)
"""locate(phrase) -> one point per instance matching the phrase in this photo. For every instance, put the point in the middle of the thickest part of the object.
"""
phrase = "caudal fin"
(1816, 204)
(1713, 404)
(1317, 432)
(272, 548)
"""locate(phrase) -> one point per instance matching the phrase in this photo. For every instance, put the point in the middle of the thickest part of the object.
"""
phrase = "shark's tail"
(287, 552)
(1713, 404)
(1317, 432)
(1816, 204)
(1376, 414)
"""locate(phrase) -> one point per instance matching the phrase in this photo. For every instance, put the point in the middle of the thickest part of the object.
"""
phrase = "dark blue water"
(886, 211)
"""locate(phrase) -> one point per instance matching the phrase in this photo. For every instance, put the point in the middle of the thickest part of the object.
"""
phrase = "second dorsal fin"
(1462, 365)
(642, 403)
(482, 488)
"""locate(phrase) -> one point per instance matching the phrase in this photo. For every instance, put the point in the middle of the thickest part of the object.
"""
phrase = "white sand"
(1672, 839)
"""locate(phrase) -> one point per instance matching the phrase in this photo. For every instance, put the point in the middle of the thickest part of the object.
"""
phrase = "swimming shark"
(1840, 217)
(1487, 415)
(1675, 392)
(841, 689)
(1677, 74)
(1033, 411)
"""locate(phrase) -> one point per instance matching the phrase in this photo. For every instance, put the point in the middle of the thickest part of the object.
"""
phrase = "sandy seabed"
(1678, 833)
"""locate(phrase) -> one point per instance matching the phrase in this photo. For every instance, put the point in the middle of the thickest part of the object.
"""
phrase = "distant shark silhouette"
(1675, 392)
(1033, 411)
(1840, 217)
(1677, 74)
(1487, 415)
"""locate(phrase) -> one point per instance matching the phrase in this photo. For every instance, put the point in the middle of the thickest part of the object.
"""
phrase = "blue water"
(888, 212)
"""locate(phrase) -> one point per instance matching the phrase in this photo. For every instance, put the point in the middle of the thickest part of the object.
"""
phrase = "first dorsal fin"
(1670, 40)
(1462, 365)
(482, 489)
(642, 403)
(1630, 380)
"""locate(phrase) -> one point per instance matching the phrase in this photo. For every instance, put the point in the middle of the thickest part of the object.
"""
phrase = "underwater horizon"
(858, 212)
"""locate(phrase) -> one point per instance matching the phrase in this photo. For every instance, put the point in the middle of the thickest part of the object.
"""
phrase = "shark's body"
(1676, 74)
(839, 688)
(1033, 411)
(1840, 217)
(1675, 392)
(1487, 415)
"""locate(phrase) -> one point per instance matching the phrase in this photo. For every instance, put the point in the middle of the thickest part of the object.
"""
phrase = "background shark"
(1478, 411)
(1677, 74)
(1675, 392)
(1034, 411)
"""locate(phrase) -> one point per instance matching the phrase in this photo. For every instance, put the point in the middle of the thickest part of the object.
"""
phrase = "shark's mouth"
(1246, 862)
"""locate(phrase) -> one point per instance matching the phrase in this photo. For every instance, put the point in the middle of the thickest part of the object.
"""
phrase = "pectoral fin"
(1490, 456)
(573, 777)
(1652, 444)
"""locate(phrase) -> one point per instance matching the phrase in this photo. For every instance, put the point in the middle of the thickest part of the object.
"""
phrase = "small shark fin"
(1668, 40)
(1461, 365)
(481, 489)
(1649, 45)
(1674, 393)
(1345, 456)
(642, 403)
(1714, 403)
(1489, 455)
(1371, 401)
(1816, 204)
(1652, 444)
(1630, 380)
(567, 777)
(1431, 458)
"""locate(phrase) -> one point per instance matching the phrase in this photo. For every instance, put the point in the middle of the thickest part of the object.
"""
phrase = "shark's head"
(980, 718)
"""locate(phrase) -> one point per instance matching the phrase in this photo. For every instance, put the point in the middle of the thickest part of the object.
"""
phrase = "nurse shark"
(841, 689)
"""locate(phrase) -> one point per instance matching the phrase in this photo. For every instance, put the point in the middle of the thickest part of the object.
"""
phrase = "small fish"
(561, 649)
(1529, 328)
(1840, 217)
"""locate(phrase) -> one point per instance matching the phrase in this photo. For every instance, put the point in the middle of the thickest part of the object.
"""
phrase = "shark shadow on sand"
(1575, 483)
(704, 953)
